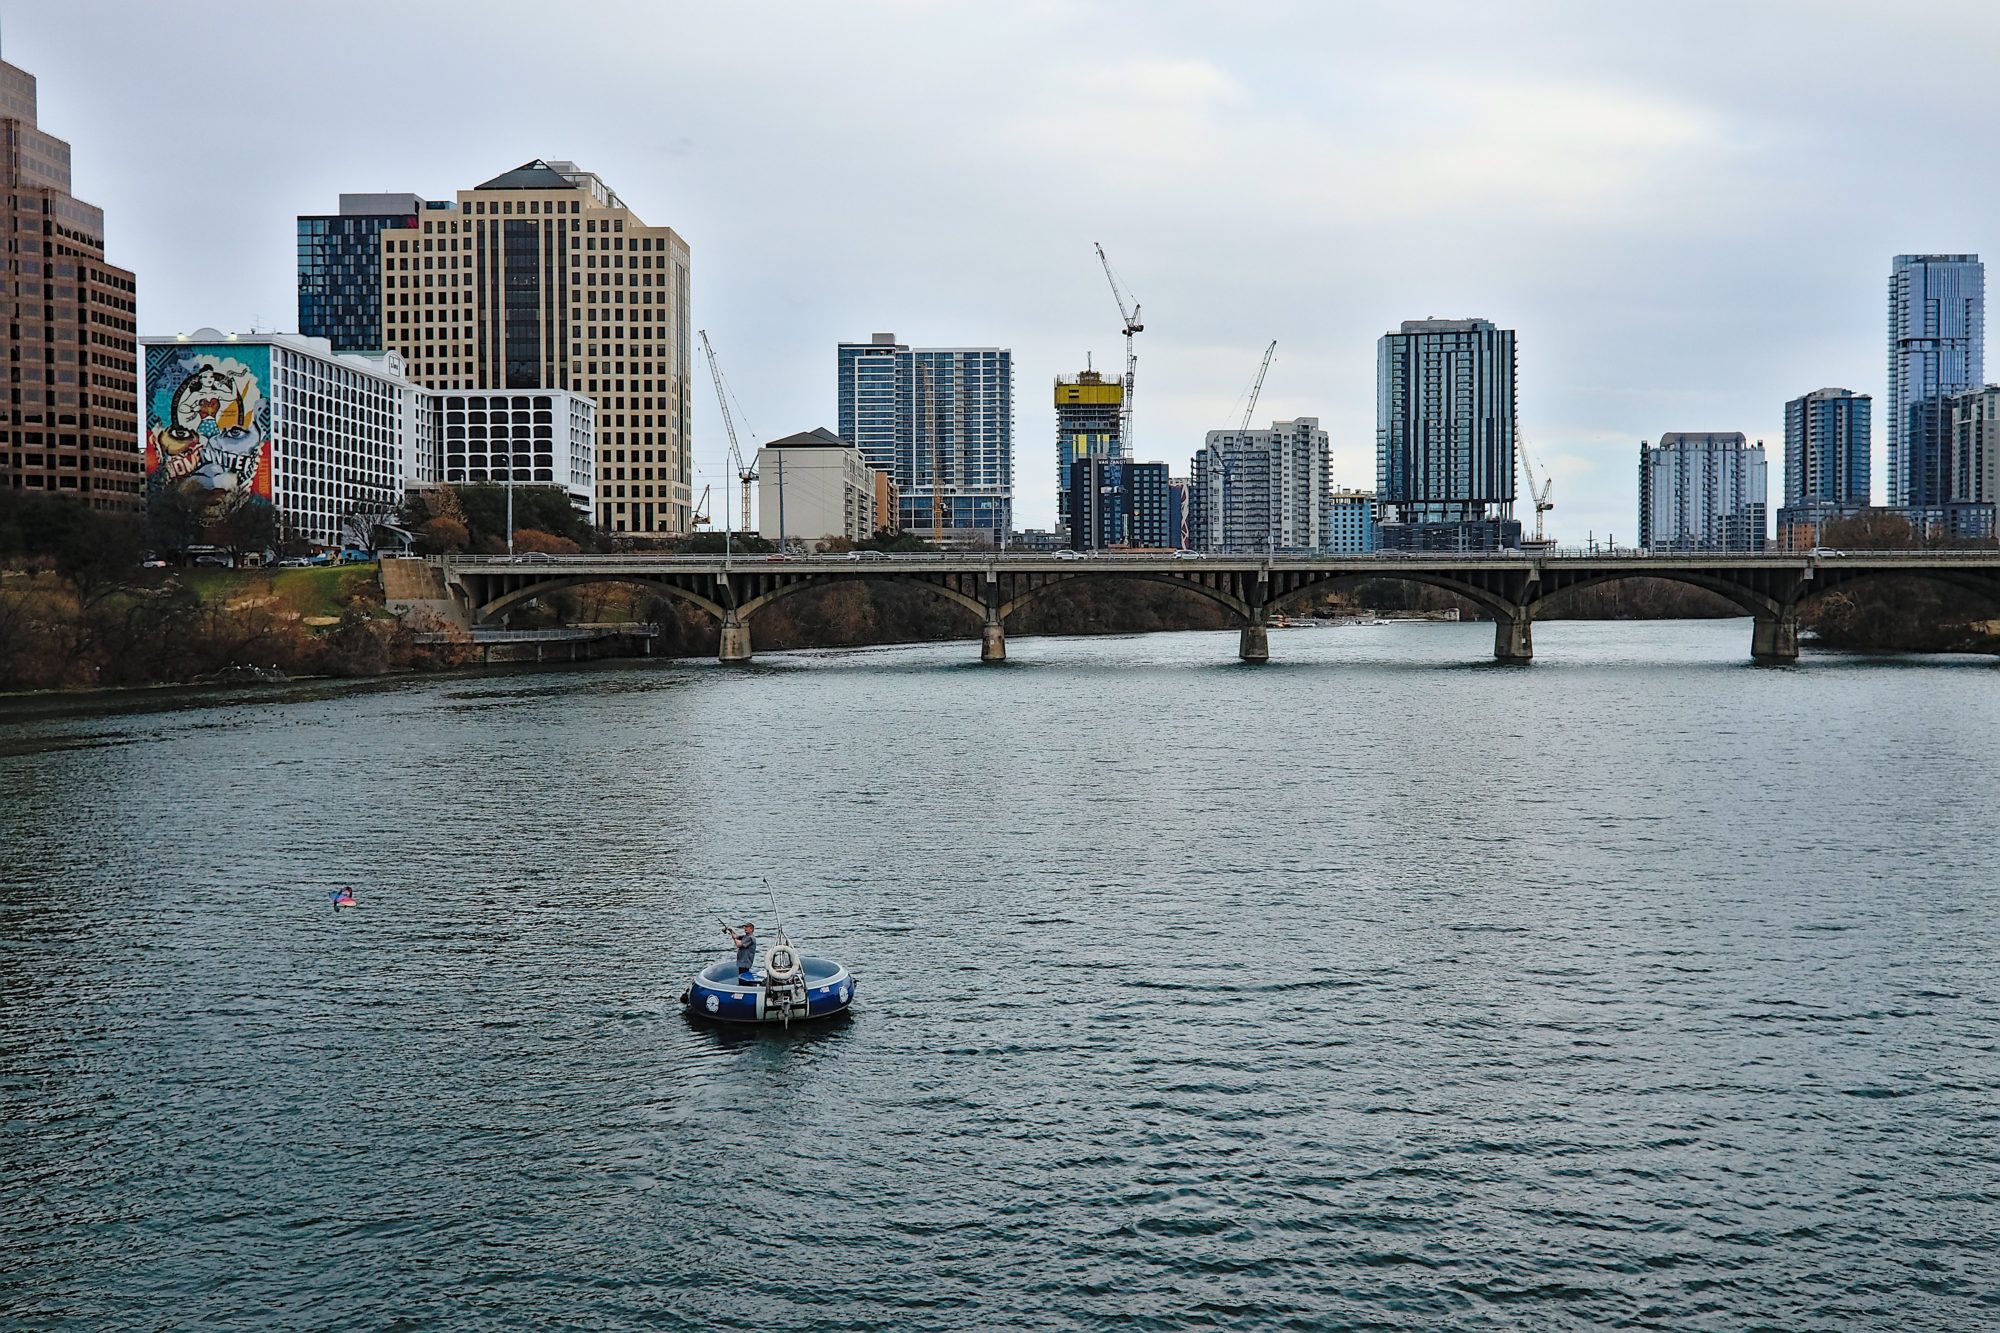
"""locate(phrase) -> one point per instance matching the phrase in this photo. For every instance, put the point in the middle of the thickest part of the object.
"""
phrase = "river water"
(1377, 988)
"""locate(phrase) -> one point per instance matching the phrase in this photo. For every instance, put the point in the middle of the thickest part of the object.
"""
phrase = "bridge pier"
(1255, 645)
(735, 646)
(1775, 638)
(1514, 638)
(993, 639)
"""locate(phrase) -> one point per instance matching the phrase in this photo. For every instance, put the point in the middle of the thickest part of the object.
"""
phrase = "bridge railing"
(1389, 560)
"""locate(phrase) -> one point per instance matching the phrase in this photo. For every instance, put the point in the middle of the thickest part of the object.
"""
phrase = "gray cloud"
(1688, 212)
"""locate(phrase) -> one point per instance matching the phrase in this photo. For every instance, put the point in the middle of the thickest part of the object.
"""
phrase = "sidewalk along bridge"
(1509, 586)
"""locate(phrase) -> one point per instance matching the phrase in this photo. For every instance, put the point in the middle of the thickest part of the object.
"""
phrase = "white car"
(1067, 554)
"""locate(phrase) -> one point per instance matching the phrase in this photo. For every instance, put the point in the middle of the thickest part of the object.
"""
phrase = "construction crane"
(1257, 388)
(744, 473)
(1132, 326)
(701, 518)
(1539, 496)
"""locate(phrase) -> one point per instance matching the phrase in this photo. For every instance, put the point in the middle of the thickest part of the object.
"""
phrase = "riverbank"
(189, 626)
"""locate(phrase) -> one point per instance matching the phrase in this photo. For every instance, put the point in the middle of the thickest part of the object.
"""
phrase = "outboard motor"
(784, 982)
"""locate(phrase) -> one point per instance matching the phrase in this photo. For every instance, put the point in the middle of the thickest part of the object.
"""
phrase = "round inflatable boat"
(790, 987)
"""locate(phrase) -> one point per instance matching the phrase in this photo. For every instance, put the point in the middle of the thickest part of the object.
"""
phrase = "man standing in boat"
(746, 948)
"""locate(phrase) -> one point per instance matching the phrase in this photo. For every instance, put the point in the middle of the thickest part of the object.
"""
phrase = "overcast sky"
(1687, 210)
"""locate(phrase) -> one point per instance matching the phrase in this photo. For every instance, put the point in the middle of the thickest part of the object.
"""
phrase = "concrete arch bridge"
(1509, 586)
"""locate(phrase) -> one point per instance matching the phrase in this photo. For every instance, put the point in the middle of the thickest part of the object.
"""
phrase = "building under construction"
(1088, 412)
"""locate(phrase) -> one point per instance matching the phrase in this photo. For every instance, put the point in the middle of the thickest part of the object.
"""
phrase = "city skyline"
(1638, 313)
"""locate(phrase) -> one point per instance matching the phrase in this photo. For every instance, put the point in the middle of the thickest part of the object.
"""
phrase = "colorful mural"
(208, 426)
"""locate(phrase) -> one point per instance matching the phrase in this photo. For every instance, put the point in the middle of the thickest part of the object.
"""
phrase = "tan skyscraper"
(69, 423)
(543, 278)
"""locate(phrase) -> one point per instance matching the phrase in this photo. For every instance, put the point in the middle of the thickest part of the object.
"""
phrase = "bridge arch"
(1189, 582)
(1984, 584)
(506, 602)
(1750, 600)
(1495, 604)
(819, 581)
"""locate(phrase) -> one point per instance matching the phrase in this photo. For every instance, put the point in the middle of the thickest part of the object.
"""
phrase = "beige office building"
(813, 486)
(542, 278)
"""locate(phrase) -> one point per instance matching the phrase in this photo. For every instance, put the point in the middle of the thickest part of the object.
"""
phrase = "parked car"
(215, 561)
(295, 562)
(152, 562)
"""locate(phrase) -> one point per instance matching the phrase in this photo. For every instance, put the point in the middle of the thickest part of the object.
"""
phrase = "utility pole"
(781, 501)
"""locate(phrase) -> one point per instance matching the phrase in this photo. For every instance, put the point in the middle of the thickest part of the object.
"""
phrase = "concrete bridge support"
(993, 639)
(1514, 638)
(735, 647)
(1255, 645)
(1775, 638)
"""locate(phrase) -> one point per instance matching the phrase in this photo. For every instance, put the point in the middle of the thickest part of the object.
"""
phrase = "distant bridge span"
(1510, 586)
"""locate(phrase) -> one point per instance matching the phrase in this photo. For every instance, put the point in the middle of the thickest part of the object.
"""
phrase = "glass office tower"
(1937, 343)
(340, 268)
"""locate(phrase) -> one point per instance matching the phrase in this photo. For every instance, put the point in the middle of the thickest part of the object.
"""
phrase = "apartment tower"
(1444, 435)
(1937, 345)
(1702, 491)
(71, 334)
(1262, 490)
(940, 421)
(542, 278)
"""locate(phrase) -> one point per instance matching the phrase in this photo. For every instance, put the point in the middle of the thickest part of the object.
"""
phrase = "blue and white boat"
(790, 987)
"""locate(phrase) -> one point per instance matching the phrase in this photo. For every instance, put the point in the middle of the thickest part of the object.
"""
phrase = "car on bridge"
(1067, 554)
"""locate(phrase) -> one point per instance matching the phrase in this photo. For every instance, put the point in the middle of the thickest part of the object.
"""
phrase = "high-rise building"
(1115, 502)
(1827, 443)
(340, 267)
(1262, 490)
(542, 278)
(329, 441)
(1088, 409)
(1937, 341)
(1702, 491)
(69, 338)
(1975, 445)
(1827, 437)
(1444, 435)
(940, 420)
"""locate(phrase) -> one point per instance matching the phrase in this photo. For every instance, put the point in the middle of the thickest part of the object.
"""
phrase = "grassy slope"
(318, 593)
